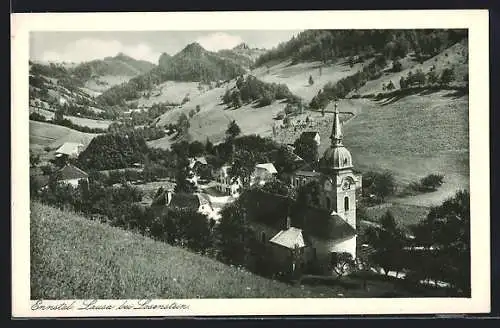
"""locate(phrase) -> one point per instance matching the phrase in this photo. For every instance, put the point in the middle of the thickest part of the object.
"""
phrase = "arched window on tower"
(346, 203)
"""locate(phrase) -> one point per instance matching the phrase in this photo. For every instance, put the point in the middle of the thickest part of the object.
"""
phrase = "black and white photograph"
(174, 165)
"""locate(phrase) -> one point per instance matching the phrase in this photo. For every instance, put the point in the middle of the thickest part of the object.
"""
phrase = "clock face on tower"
(346, 184)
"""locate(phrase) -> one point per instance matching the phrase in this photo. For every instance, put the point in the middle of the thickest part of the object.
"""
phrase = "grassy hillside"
(46, 134)
(82, 121)
(454, 57)
(296, 76)
(73, 257)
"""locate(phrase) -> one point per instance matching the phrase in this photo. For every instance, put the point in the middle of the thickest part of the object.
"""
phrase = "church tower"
(339, 182)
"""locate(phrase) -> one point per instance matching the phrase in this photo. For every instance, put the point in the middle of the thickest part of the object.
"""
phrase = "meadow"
(43, 134)
(75, 258)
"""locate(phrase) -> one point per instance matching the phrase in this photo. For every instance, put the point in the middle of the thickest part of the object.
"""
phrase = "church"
(298, 238)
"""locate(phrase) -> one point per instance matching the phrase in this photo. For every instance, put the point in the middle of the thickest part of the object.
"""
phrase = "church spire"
(336, 136)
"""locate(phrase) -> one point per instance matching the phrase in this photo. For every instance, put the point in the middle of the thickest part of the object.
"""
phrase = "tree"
(59, 115)
(431, 182)
(196, 148)
(432, 77)
(447, 229)
(183, 123)
(403, 84)
(447, 76)
(387, 239)
(233, 234)
(198, 108)
(390, 86)
(236, 99)
(209, 146)
(226, 98)
(233, 130)
(341, 263)
(396, 66)
(311, 81)
(192, 112)
(181, 179)
(34, 159)
(307, 149)
(381, 184)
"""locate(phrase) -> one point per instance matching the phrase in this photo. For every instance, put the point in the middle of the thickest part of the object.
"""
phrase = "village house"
(314, 232)
(225, 184)
(262, 174)
(69, 150)
(70, 174)
(198, 202)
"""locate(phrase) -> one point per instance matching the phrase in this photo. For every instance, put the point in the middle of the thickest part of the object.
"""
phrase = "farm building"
(72, 175)
(70, 149)
(263, 173)
(225, 184)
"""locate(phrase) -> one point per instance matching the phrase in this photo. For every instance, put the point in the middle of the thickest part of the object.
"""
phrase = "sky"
(145, 45)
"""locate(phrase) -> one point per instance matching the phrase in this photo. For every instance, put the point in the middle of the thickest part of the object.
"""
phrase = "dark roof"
(71, 172)
(184, 200)
(41, 180)
(309, 134)
(320, 223)
(272, 210)
(307, 173)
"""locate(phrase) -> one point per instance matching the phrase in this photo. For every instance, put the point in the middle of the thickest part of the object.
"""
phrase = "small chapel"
(313, 234)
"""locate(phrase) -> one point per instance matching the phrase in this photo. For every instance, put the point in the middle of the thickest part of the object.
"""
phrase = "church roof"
(324, 224)
(272, 210)
(337, 157)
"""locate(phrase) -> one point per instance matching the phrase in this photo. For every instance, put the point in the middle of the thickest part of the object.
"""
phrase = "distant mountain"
(194, 63)
(242, 54)
(120, 65)
(191, 64)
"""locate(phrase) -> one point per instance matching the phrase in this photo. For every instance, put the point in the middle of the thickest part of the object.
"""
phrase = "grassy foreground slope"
(73, 257)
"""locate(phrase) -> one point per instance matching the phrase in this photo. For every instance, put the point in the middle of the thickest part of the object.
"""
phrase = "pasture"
(46, 134)
(75, 258)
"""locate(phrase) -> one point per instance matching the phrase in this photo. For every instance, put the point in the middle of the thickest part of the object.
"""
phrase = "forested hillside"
(326, 45)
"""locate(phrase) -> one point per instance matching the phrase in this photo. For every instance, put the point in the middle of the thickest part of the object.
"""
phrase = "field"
(46, 134)
(296, 77)
(75, 258)
(172, 92)
(108, 82)
(405, 215)
(82, 121)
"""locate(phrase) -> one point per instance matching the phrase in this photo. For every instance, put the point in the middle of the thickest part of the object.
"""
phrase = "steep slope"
(75, 258)
(46, 134)
(242, 54)
(194, 63)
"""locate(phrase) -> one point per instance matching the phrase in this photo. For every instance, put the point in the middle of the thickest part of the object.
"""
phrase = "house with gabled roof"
(72, 175)
(70, 149)
(263, 173)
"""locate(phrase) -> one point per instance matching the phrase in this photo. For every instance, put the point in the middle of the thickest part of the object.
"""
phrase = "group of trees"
(428, 183)
(439, 251)
(146, 132)
(347, 84)
(251, 89)
(324, 45)
(419, 78)
(113, 151)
